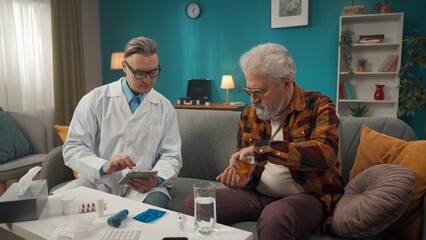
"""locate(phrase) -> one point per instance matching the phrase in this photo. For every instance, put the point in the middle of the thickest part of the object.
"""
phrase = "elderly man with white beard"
(294, 183)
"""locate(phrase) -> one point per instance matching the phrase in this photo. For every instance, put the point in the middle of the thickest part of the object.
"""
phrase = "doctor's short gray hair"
(140, 45)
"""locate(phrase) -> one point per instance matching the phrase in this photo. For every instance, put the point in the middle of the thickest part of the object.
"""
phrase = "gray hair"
(140, 45)
(270, 59)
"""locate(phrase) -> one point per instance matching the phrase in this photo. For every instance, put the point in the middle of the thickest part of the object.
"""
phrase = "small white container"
(68, 206)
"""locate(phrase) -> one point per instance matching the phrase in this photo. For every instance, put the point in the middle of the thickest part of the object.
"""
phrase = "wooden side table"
(212, 106)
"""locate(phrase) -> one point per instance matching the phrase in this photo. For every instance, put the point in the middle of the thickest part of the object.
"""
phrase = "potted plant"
(382, 7)
(361, 64)
(346, 43)
(358, 110)
(412, 93)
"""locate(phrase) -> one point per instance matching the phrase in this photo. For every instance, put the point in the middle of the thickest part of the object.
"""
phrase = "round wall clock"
(193, 10)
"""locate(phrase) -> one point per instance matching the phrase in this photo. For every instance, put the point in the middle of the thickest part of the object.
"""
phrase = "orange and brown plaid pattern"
(309, 148)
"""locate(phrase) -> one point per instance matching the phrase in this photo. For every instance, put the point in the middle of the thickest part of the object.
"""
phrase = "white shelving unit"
(362, 84)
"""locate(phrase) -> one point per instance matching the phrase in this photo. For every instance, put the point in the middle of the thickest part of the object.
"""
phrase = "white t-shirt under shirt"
(276, 180)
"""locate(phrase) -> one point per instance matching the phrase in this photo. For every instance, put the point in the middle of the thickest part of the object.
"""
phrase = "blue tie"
(134, 103)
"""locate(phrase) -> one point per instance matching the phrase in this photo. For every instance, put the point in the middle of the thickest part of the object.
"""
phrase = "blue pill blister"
(149, 215)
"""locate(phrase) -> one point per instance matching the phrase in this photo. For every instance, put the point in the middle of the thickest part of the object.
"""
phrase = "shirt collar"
(128, 93)
(298, 100)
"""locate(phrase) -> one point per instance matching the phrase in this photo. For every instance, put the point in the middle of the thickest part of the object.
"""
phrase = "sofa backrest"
(208, 139)
(33, 129)
(350, 132)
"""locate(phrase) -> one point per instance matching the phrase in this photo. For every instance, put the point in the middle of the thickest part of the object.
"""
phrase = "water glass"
(205, 207)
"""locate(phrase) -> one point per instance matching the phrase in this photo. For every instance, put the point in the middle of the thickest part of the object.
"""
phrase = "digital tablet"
(145, 174)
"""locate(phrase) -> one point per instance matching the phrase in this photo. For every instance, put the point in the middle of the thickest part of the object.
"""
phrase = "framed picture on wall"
(289, 13)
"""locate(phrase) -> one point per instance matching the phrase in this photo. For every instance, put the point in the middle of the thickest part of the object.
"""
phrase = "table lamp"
(116, 59)
(227, 83)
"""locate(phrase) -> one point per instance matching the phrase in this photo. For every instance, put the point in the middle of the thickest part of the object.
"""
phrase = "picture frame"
(289, 13)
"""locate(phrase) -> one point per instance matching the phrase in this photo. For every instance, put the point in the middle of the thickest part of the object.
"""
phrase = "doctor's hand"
(142, 185)
(118, 163)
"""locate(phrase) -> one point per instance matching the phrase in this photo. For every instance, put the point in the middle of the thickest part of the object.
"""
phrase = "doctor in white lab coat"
(106, 139)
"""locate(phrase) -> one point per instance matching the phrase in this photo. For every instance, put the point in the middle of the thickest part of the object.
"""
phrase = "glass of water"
(205, 207)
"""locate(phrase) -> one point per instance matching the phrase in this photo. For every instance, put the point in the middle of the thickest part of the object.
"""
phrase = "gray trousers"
(277, 218)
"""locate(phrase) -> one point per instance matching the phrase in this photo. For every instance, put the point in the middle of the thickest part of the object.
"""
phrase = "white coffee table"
(166, 226)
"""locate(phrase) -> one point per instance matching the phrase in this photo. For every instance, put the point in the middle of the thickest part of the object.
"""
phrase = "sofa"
(208, 140)
(35, 132)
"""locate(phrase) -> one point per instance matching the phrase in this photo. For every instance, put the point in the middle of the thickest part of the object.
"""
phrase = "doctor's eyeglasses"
(139, 74)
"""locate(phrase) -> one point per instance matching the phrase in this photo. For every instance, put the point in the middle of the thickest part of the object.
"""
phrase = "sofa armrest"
(54, 170)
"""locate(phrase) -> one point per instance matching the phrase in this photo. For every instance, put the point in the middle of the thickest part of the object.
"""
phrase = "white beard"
(269, 112)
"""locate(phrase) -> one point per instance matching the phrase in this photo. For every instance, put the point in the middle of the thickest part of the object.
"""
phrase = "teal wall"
(210, 46)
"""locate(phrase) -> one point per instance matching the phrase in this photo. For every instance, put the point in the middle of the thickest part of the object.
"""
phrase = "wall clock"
(193, 10)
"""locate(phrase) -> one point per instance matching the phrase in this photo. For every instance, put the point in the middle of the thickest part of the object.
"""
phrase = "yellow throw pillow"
(376, 148)
(63, 133)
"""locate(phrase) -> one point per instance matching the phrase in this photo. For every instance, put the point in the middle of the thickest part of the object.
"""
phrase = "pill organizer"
(121, 234)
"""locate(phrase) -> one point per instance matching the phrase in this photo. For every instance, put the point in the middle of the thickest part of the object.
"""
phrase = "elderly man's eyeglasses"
(257, 92)
(139, 74)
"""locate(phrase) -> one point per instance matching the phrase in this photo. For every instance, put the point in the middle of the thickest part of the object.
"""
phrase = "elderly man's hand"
(230, 178)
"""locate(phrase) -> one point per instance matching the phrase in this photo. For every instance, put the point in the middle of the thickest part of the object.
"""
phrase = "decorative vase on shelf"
(361, 64)
(379, 94)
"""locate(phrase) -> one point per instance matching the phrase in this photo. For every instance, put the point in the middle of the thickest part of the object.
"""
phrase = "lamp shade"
(227, 82)
(116, 59)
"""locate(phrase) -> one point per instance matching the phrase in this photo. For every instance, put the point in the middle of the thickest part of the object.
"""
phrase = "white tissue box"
(16, 208)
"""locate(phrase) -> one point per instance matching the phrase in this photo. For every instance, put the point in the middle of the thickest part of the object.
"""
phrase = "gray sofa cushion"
(208, 140)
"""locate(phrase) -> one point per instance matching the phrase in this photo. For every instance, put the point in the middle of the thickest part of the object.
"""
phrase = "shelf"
(370, 17)
(359, 45)
(361, 85)
(365, 101)
(371, 73)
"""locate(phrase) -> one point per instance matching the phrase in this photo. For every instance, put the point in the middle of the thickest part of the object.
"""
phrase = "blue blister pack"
(149, 215)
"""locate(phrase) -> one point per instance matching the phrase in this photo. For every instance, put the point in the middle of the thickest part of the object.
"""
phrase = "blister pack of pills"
(120, 234)
(89, 207)
(149, 215)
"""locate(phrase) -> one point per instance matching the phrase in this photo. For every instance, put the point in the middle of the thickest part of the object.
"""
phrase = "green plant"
(346, 43)
(358, 110)
(412, 93)
(378, 5)
(362, 61)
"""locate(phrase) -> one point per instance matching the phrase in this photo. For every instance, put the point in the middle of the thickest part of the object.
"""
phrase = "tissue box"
(16, 208)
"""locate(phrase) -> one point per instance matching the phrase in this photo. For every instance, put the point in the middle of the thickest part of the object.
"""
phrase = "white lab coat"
(103, 126)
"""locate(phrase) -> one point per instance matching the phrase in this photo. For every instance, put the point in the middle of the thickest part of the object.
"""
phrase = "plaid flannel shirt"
(309, 149)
